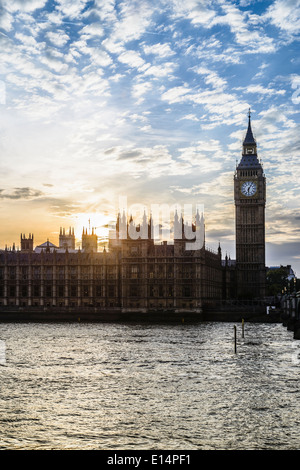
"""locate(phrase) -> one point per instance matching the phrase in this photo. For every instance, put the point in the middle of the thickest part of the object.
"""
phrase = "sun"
(93, 221)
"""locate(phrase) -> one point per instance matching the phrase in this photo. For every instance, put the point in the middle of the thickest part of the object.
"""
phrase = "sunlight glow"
(98, 221)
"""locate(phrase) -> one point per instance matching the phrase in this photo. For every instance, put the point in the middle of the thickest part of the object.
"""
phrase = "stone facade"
(133, 275)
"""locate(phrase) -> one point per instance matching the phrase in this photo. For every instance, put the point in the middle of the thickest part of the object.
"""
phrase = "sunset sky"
(148, 100)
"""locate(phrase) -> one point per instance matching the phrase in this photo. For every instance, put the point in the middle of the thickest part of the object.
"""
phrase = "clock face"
(248, 188)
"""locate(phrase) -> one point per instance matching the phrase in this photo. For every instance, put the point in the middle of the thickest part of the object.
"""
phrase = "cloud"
(58, 38)
(209, 188)
(209, 156)
(222, 107)
(160, 50)
(142, 96)
(29, 44)
(211, 77)
(140, 89)
(20, 193)
(261, 71)
(164, 70)
(132, 59)
(99, 56)
(199, 12)
(212, 50)
(285, 15)
(263, 90)
(177, 94)
(253, 40)
(71, 8)
(92, 30)
(23, 5)
(105, 10)
(243, 24)
(147, 162)
(190, 117)
(129, 24)
(6, 20)
(53, 60)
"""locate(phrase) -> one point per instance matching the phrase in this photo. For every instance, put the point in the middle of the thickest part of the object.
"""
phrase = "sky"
(147, 101)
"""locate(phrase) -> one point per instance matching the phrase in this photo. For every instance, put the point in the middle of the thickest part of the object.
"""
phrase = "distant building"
(290, 274)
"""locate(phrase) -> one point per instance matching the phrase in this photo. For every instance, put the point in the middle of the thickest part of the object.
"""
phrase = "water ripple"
(113, 386)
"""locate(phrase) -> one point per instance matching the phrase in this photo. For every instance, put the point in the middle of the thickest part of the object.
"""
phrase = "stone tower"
(67, 240)
(89, 241)
(26, 243)
(250, 202)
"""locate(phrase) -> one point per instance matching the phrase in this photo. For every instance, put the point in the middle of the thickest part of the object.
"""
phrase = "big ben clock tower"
(250, 201)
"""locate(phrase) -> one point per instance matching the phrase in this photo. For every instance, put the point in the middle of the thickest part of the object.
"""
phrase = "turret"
(67, 240)
(89, 241)
(26, 243)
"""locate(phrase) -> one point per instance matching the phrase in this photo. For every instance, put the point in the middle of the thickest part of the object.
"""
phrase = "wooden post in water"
(243, 328)
(234, 339)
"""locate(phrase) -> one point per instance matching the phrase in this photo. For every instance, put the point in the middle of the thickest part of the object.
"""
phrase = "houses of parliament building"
(139, 275)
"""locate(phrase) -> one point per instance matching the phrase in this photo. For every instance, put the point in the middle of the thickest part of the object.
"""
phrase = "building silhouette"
(250, 202)
(136, 274)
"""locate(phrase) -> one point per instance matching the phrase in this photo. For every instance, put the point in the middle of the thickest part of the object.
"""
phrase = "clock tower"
(250, 202)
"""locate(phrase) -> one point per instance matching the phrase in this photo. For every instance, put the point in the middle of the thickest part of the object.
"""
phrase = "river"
(143, 387)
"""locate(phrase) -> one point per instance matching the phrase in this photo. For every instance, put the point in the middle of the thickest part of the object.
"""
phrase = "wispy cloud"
(147, 98)
(20, 193)
(285, 14)
(23, 5)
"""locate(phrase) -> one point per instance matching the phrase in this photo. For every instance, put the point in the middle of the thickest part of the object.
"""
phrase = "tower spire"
(249, 139)
(249, 158)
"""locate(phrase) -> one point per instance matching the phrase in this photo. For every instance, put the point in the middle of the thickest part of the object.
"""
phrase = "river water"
(145, 387)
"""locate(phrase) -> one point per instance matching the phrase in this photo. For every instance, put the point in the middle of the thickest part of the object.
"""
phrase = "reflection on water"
(113, 386)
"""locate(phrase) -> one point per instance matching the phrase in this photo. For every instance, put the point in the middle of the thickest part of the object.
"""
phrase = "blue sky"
(148, 100)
